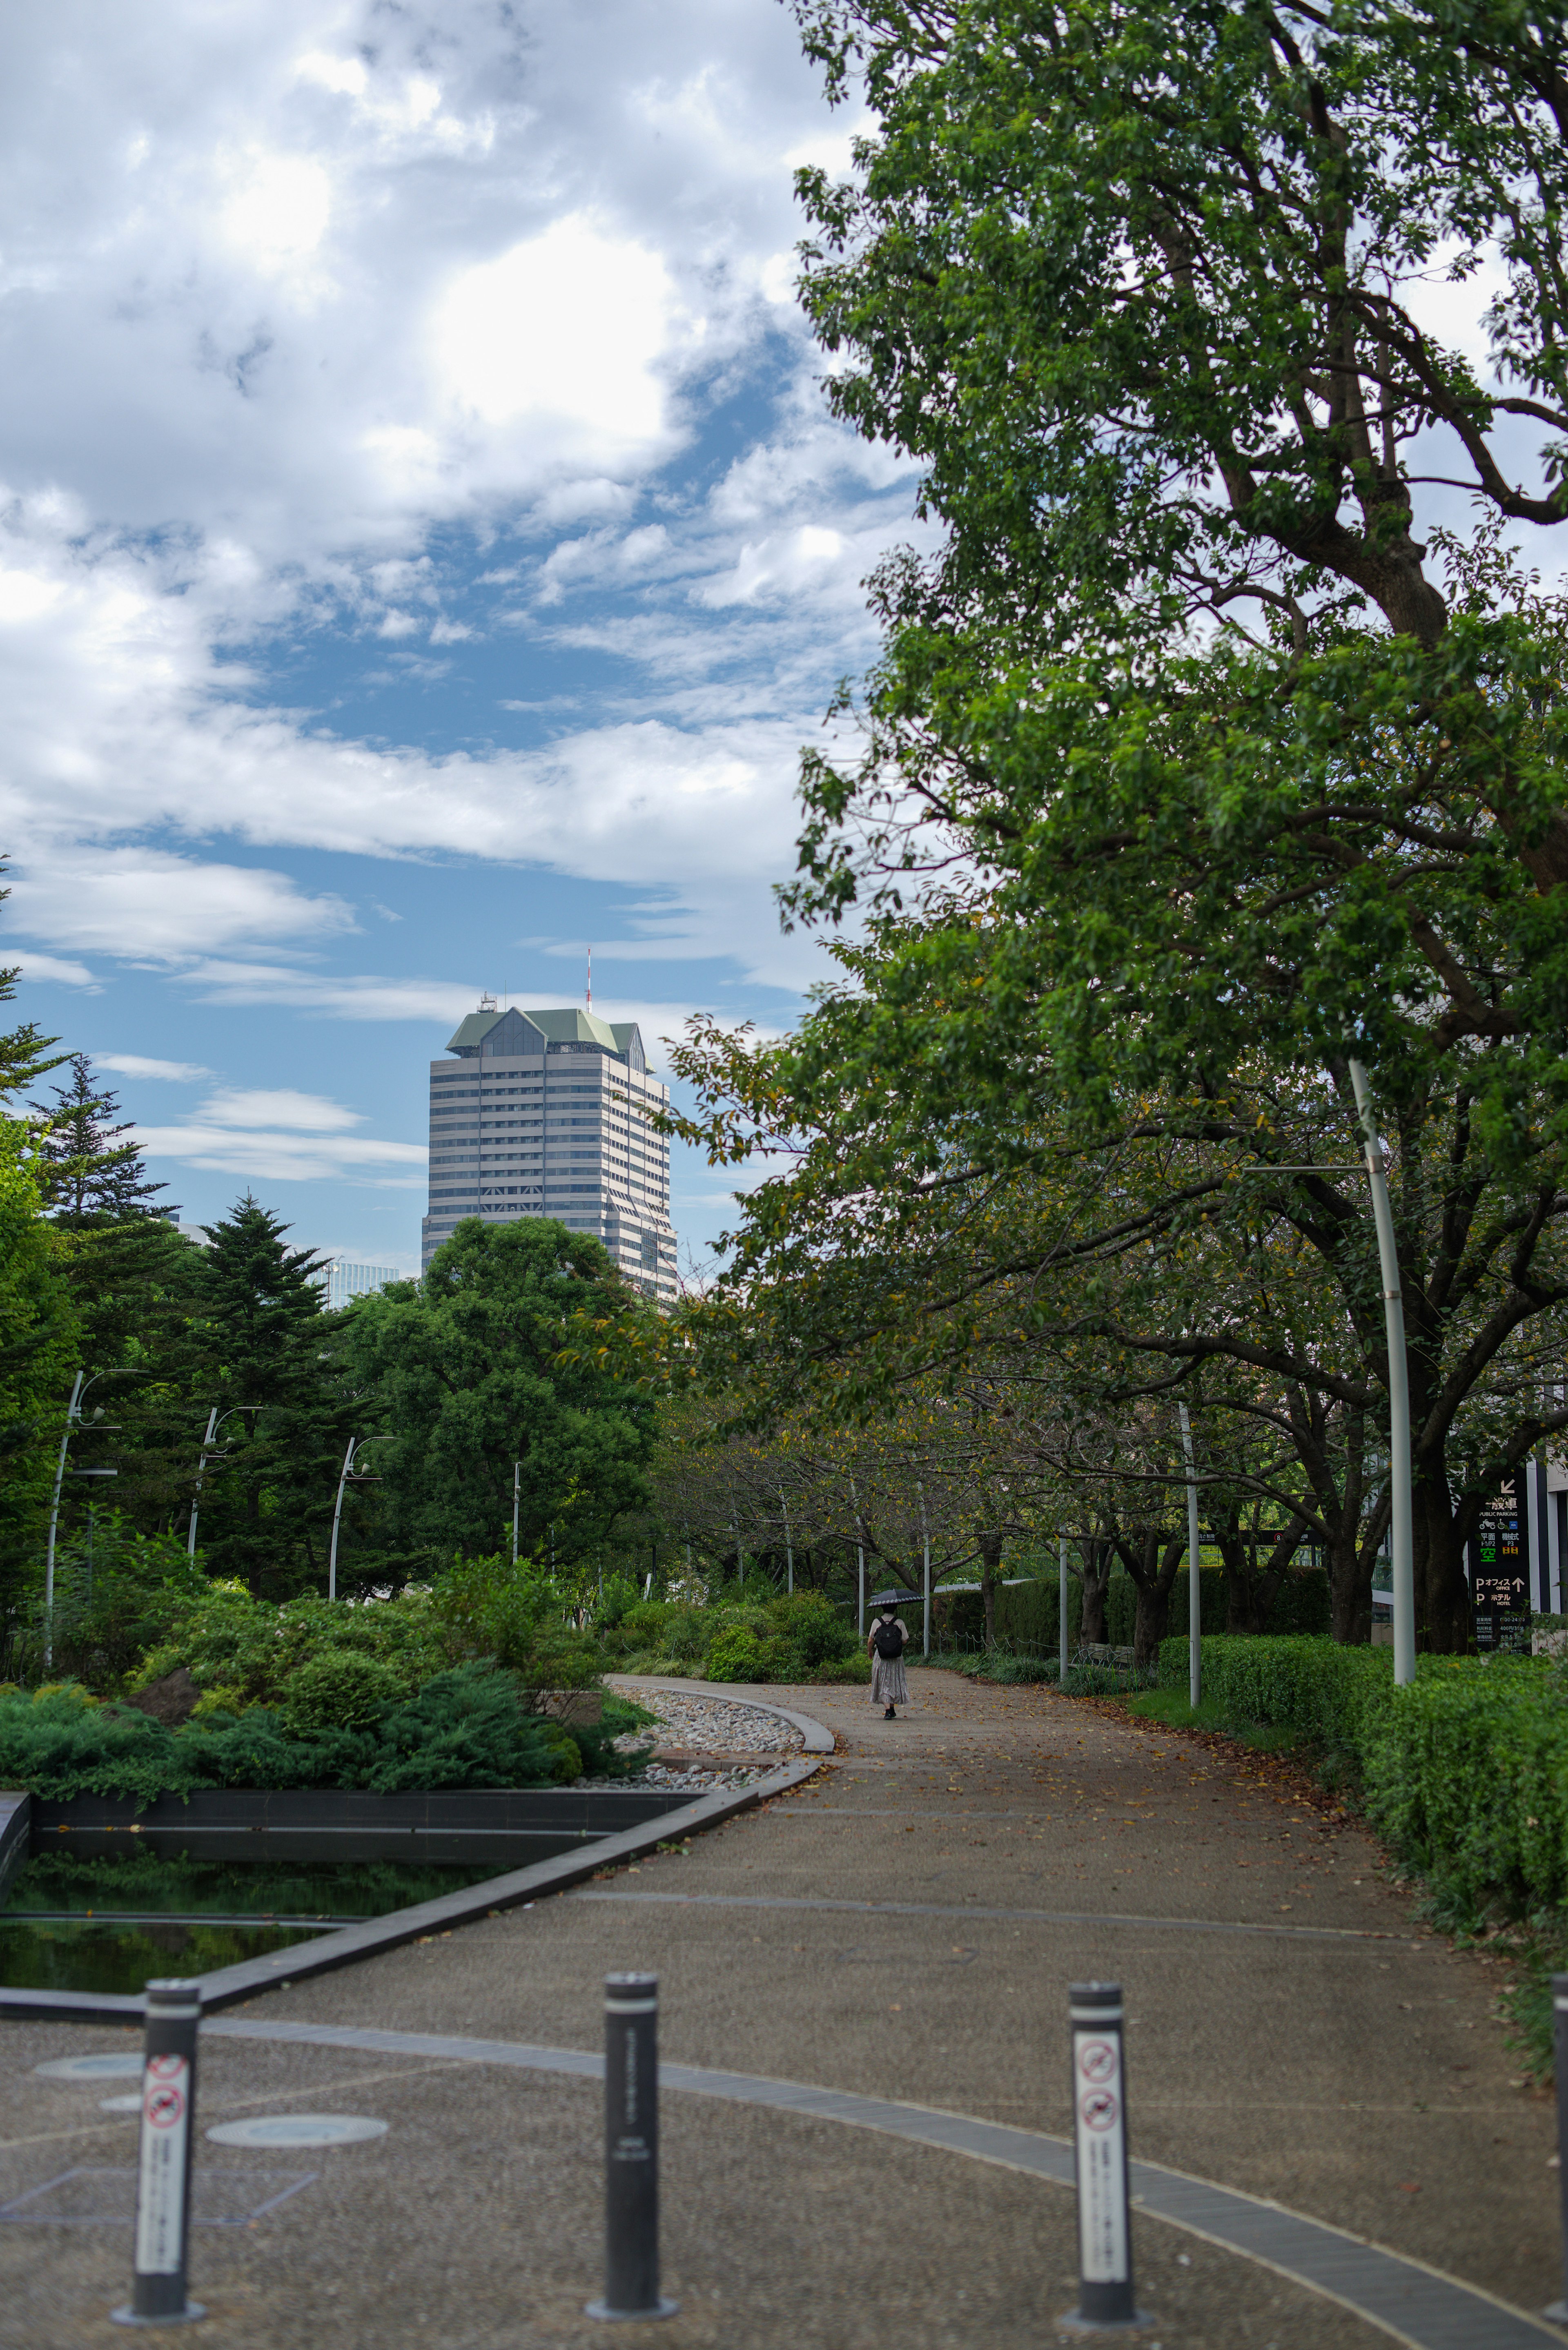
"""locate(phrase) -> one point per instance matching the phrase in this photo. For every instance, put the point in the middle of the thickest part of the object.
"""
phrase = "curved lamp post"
(211, 1451)
(355, 1445)
(74, 1419)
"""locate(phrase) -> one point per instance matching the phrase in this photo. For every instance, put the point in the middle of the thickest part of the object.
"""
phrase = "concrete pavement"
(904, 1927)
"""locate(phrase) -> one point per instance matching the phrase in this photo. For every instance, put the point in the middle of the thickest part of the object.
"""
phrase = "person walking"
(885, 1643)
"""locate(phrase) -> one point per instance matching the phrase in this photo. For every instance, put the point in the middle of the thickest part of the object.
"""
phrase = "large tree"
(268, 1359)
(473, 1372)
(1199, 759)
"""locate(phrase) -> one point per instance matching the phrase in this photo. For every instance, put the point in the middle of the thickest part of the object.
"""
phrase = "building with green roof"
(548, 1113)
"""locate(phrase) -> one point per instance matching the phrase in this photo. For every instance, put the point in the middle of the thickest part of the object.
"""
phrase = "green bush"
(340, 1689)
(737, 1655)
(469, 1728)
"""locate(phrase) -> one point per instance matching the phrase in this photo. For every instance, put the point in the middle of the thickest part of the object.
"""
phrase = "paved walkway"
(904, 1928)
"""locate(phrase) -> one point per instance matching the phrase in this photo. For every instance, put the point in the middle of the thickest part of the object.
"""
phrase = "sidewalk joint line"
(1420, 2307)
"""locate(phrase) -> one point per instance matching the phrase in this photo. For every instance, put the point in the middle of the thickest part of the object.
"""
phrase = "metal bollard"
(631, 2151)
(158, 2294)
(1558, 2310)
(1106, 2297)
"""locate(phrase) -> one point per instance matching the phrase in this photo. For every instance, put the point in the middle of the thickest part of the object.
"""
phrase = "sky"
(425, 552)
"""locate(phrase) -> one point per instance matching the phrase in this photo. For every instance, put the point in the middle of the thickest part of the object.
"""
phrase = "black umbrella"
(891, 1599)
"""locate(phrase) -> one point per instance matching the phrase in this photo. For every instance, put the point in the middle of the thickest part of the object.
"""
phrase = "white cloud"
(46, 966)
(564, 329)
(274, 1107)
(333, 276)
(284, 1136)
(141, 1064)
(149, 902)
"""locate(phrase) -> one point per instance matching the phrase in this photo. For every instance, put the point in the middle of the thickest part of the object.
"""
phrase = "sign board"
(1499, 1581)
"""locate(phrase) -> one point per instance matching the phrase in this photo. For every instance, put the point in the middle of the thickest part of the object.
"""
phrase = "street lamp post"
(356, 1444)
(1194, 1584)
(74, 1419)
(211, 1451)
(516, 1508)
(1398, 1389)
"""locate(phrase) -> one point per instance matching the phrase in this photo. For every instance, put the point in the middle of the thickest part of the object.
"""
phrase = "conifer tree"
(266, 1357)
(86, 1174)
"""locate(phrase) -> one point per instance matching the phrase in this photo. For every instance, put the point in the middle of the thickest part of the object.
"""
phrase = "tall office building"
(546, 1114)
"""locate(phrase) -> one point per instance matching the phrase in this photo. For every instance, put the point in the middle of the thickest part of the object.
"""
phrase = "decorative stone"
(172, 1700)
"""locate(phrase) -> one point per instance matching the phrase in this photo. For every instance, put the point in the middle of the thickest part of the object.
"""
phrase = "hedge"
(1026, 1614)
(1465, 1770)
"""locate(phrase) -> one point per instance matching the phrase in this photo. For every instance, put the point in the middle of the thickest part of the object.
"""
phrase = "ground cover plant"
(466, 1728)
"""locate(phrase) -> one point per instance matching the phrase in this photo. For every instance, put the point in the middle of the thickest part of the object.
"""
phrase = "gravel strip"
(706, 1725)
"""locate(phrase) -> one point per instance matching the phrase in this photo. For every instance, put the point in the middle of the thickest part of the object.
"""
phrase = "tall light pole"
(1194, 1585)
(74, 1421)
(789, 1545)
(356, 1443)
(211, 1451)
(926, 1549)
(517, 1507)
(1398, 1390)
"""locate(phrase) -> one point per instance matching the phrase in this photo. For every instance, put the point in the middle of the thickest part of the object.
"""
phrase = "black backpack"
(887, 1640)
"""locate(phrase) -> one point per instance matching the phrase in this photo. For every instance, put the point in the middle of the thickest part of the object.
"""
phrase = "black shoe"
(890, 1715)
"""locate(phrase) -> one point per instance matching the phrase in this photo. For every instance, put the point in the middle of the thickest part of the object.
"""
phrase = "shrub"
(340, 1689)
(465, 1728)
(736, 1656)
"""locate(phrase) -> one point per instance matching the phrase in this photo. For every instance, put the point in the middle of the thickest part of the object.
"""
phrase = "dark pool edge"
(227, 1986)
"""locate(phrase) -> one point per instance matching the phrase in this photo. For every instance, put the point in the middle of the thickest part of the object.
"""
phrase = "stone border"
(349, 1944)
(818, 1741)
(1420, 2307)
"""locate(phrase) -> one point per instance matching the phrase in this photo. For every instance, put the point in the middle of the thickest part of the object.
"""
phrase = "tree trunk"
(1351, 1565)
(1097, 1556)
(990, 1560)
(1249, 1590)
(1443, 1616)
(1155, 1577)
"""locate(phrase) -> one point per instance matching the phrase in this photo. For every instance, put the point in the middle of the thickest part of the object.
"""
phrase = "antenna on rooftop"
(487, 1002)
(590, 979)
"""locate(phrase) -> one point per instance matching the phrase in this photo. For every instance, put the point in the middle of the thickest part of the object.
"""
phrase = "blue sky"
(424, 551)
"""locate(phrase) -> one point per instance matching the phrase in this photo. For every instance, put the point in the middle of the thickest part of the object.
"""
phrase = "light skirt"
(889, 1682)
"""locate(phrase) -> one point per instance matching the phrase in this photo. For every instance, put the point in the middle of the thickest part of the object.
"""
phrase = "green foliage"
(464, 1729)
(737, 1655)
(118, 1593)
(37, 1352)
(340, 1688)
(779, 1638)
(1326, 1692)
(515, 1615)
(471, 1374)
(263, 1351)
(227, 1640)
(85, 1173)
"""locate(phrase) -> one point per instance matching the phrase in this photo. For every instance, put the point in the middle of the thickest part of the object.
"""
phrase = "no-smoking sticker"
(165, 2107)
(1097, 2060)
(1099, 2109)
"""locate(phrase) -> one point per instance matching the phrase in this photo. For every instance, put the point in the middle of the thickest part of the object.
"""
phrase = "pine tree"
(88, 1176)
(268, 1363)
